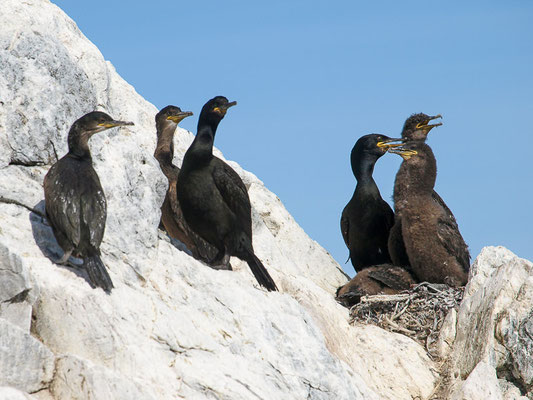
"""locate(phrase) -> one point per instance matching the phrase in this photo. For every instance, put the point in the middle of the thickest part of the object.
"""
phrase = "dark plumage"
(171, 215)
(214, 199)
(433, 243)
(378, 279)
(367, 218)
(415, 128)
(75, 201)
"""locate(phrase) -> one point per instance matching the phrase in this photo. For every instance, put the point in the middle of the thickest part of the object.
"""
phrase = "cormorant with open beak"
(435, 248)
(416, 128)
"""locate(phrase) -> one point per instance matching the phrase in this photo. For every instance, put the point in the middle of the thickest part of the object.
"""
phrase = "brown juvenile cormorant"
(75, 201)
(367, 218)
(377, 279)
(172, 218)
(435, 248)
(416, 127)
(213, 197)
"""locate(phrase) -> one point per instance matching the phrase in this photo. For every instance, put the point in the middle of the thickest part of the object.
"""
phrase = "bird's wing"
(450, 237)
(234, 193)
(389, 215)
(391, 276)
(94, 208)
(345, 227)
(436, 197)
(62, 202)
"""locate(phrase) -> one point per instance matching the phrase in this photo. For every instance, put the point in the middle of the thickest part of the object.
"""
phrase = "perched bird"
(172, 218)
(378, 279)
(367, 218)
(416, 127)
(435, 248)
(75, 201)
(213, 197)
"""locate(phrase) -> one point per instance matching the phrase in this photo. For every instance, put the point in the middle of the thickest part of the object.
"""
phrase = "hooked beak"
(224, 108)
(179, 116)
(406, 154)
(388, 144)
(112, 124)
(425, 126)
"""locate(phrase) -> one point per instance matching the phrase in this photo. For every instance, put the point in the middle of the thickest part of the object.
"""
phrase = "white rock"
(509, 391)
(9, 393)
(80, 379)
(481, 384)
(25, 363)
(19, 314)
(447, 334)
(494, 317)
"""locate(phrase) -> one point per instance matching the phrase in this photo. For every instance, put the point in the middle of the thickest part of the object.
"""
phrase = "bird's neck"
(201, 149)
(366, 186)
(164, 150)
(78, 143)
(363, 169)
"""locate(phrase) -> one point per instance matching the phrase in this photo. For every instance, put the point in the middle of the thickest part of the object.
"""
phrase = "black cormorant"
(377, 279)
(214, 199)
(75, 201)
(172, 218)
(435, 248)
(367, 218)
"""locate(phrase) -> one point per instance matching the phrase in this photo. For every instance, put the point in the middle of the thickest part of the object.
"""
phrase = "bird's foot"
(68, 261)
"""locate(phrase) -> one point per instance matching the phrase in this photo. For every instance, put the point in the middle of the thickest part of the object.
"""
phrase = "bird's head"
(215, 109)
(375, 144)
(417, 126)
(171, 114)
(96, 121)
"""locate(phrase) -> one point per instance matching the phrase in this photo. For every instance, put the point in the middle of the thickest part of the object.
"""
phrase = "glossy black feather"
(367, 219)
(214, 199)
(172, 217)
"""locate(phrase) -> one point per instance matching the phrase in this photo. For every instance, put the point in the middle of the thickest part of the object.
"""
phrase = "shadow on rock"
(46, 241)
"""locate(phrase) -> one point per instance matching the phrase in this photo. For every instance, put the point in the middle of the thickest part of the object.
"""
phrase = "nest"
(417, 313)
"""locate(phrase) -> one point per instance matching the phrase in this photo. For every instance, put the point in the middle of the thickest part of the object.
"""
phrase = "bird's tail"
(260, 273)
(97, 273)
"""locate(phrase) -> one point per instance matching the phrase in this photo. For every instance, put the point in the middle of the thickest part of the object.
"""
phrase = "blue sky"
(312, 77)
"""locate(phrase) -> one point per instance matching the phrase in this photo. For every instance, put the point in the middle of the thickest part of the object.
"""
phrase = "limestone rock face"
(172, 327)
(25, 363)
(494, 327)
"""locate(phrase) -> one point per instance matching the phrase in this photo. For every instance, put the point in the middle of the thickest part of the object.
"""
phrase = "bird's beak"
(406, 154)
(222, 109)
(389, 143)
(112, 124)
(179, 116)
(425, 126)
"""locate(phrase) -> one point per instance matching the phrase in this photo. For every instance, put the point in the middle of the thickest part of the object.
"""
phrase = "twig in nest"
(417, 313)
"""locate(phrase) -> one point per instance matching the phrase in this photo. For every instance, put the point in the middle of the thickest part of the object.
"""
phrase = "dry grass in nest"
(417, 313)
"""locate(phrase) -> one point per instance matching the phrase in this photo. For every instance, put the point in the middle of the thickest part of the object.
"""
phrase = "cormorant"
(172, 218)
(213, 197)
(367, 218)
(75, 201)
(377, 279)
(416, 127)
(434, 245)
